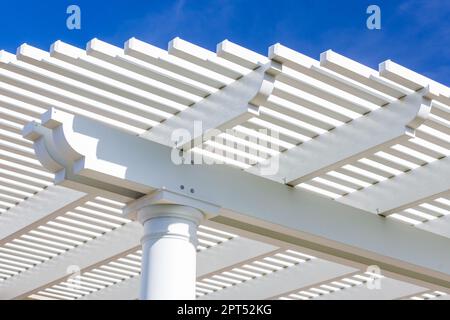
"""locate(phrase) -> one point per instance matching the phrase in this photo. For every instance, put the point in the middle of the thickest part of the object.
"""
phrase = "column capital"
(170, 210)
(166, 203)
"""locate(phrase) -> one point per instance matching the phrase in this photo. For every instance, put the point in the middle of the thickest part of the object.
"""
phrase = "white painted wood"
(446, 297)
(169, 244)
(361, 73)
(366, 135)
(95, 251)
(410, 188)
(224, 109)
(389, 289)
(408, 78)
(136, 87)
(247, 198)
(216, 258)
(41, 207)
(301, 275)
(439, 226)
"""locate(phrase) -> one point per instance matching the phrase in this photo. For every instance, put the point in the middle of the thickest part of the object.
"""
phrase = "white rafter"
(410, 188)
(126, 287)
(38, 209)
(361, 137)
(358, 286)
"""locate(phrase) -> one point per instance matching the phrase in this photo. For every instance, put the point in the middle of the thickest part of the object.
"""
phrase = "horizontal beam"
(99, 250)
(221, 110)
(411, 188)
(90, 152)
(38, 209)
(361, 137)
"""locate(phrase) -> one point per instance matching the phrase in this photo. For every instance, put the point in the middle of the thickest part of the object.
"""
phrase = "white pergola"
(333, 181)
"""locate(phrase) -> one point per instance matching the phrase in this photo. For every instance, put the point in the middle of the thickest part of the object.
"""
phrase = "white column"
(168, 251)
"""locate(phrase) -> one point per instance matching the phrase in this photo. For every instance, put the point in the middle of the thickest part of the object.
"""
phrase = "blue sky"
(414, 33)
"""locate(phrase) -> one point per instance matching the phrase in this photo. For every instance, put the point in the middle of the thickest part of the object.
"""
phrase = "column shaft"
(169, 251)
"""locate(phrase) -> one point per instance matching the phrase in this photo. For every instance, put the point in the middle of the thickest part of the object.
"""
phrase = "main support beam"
(364, 136)
(222, 110)
(89, 151)
(411, 188)
(38, 209)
